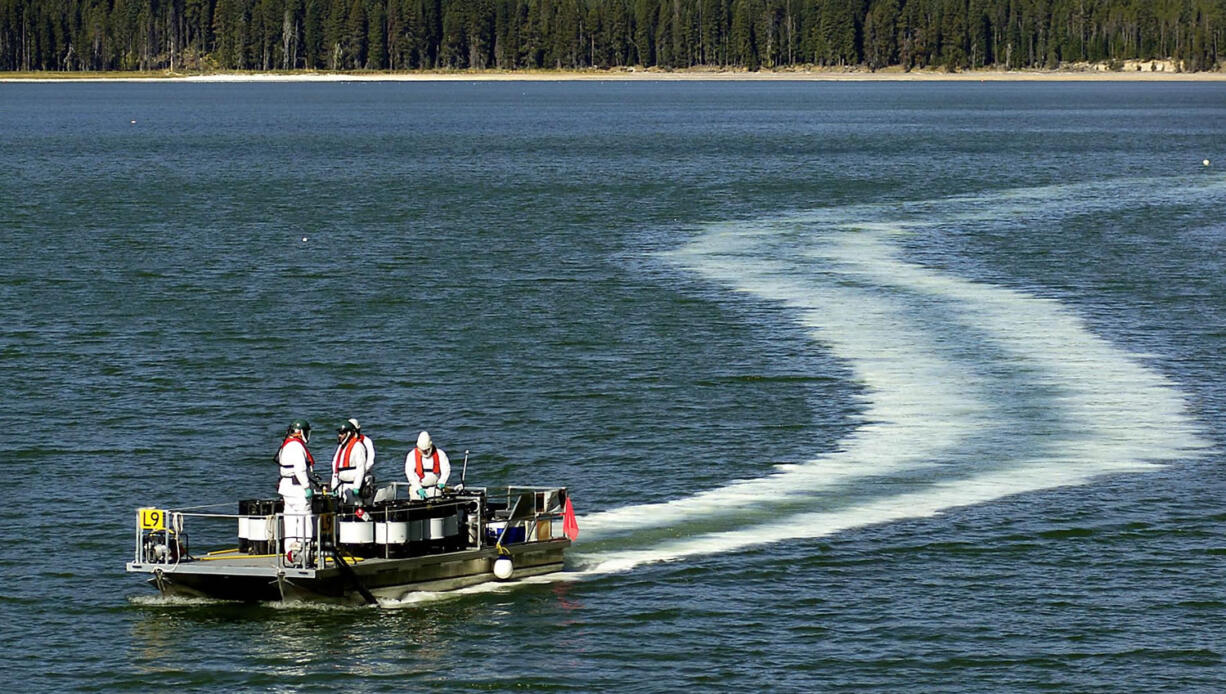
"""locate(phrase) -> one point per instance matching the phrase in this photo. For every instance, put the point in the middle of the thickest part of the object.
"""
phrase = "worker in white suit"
(296, 487)
(352, 463)
(426, 468)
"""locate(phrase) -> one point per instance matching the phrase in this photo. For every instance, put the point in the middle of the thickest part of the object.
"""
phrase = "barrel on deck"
(244, 528)
(392, 530)
(444, 529)
(355, 535)
(261, 526)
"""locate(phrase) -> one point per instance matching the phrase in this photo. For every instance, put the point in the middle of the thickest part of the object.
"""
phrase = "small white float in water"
(503, 568)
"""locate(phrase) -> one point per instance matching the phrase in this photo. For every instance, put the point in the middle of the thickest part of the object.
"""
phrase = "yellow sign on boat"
(152, 519)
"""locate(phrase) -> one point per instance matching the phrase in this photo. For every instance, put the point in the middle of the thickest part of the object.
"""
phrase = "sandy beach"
(1146, 71)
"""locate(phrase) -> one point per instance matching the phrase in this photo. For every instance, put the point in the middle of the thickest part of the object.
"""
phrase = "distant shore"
(1132, 71)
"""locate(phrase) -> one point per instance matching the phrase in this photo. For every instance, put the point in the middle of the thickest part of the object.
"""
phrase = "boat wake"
(970, 391)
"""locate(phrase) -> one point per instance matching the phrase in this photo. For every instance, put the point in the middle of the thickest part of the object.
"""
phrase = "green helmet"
(349, 426)
(300, 425)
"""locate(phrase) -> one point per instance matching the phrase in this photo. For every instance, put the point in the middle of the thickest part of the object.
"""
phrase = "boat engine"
(163, 548)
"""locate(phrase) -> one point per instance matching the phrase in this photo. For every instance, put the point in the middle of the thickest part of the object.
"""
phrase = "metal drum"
(457, 529)
(418, 529)
(444, 523)
(352, 530)
(392, 531)
(443, 529)
(244, 528)
(261, 524)
(437, 529)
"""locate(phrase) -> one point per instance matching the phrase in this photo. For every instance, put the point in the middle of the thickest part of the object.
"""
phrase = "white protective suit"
(427, 480)
(351, 464)
(295, 481)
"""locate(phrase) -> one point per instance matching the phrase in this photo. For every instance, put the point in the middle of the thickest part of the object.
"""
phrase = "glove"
(308, 492)
(421, 493)
(442, 486)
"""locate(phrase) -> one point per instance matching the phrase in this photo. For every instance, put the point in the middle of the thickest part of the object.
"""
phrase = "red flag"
(569, 526)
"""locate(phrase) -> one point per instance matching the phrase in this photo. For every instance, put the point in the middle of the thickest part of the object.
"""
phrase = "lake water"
(856, 387)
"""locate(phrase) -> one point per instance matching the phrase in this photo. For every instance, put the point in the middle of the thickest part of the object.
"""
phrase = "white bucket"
(356, 532)
(244, 532)
(391, 533)
(438, 527)
(257, 528)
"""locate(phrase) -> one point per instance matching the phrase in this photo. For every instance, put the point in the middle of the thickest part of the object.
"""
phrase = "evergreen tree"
(376, 36)
(646, 13)
(514, 34)
(838, 31)
(354, 46)
(880, 34)
(741, 35)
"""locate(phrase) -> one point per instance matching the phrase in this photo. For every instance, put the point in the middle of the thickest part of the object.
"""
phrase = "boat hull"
(260, 579)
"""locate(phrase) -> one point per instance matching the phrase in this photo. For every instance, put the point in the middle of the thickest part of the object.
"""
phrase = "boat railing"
(495, 516)
(524, 514)
(169, 537)
(165, 537)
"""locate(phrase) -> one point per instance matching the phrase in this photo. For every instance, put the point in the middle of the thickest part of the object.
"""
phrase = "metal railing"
(495, 516)
(162, 537)
(526, 514)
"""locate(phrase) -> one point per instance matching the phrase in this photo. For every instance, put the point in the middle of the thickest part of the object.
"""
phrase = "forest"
(399, 35)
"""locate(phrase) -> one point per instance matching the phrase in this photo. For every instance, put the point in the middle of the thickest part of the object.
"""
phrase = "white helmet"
(423, 441)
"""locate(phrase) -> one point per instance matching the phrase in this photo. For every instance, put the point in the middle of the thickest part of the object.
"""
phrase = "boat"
(358, 553)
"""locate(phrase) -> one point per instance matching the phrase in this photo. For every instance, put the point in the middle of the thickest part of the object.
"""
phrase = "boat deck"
(231, 562)
(263, 577)
(437, 544)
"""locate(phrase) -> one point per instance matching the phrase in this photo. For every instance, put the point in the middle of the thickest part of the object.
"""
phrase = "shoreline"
(1083, 74)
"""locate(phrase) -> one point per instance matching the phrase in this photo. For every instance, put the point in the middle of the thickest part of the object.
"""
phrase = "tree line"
(97, 35)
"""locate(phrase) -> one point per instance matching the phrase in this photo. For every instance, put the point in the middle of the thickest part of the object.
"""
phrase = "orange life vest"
(341, 462)
(417, 458)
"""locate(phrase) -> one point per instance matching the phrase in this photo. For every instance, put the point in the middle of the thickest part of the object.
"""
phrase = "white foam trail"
(926, 396)
(159, 600)
(924, 403)
(928, 502)
(1128, 415)
(419, 598)
(918, 403)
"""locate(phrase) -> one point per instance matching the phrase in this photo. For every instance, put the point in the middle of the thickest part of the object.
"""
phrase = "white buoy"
(1205, 162)
(133, 122)
(304, 239)
(503, 568)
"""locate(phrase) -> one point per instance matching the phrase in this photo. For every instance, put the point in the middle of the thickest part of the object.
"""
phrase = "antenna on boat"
(464, 471)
